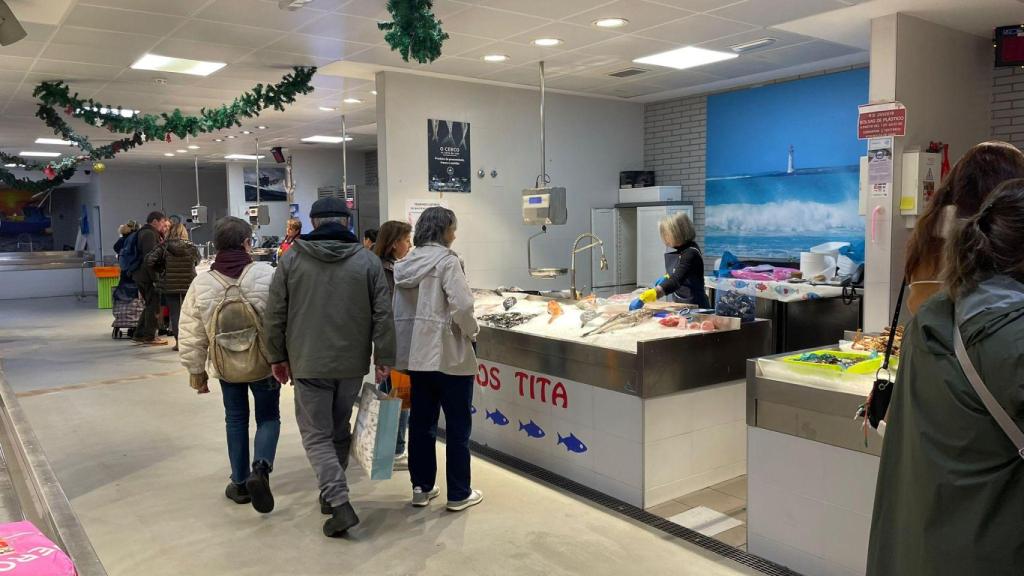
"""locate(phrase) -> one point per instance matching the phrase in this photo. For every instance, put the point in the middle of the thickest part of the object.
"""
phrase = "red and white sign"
(886, 119)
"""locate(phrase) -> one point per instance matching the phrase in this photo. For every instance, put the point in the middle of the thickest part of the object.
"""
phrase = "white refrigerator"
(617, 228)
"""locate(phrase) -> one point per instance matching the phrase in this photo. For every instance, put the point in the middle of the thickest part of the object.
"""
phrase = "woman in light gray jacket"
(436, 332)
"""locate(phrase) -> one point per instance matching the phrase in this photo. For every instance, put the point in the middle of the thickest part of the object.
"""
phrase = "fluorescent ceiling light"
(754, 45)
(169, 154)
(30, 153)
(495, 58)
(104, 110)
(177, 65)
(193, 147)
(352, 101)
(688, 57)
(244, 157)
(327, 139)
(547, 42)
(611, 22)
(54, 141)
(10, 165)
(328, 109)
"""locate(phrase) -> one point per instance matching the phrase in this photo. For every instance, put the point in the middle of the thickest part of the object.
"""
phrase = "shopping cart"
(128, 307)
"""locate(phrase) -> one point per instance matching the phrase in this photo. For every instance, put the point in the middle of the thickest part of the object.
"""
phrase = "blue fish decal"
(472, 409)
(572, 443)
(531, 429)
(497, 417)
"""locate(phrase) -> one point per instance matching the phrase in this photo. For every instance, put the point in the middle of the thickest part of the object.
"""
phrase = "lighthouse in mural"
(789, 166)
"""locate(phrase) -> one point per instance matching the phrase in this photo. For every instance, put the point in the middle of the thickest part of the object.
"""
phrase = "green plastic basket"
(866, 364)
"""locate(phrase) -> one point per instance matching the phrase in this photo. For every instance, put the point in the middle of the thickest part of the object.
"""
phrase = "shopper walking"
(175, 262)
(394, 241)
(436, 334)
(964, 190)
(329, 306)
(949, 495)
(234, 275)
(146, 240)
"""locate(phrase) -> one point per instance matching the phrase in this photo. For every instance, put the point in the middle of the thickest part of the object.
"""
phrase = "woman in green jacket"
(950, 492)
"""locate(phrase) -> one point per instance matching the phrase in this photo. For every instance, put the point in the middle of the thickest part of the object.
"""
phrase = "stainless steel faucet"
(603, 262)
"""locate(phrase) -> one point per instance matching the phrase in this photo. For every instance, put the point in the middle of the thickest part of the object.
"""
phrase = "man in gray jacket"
(329, 309)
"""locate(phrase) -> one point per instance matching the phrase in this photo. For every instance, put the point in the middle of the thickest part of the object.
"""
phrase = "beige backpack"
(237, 348)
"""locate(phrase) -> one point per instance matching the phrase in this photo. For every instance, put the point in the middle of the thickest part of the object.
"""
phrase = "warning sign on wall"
(877, 120)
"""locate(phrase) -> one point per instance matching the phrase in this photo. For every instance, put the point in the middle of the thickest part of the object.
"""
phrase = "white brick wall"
(1008, 105)
(675, 147)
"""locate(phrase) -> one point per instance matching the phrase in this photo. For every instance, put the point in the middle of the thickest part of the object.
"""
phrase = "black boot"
(342, 518)
(237, 493)
(258, 486)
(325, 506)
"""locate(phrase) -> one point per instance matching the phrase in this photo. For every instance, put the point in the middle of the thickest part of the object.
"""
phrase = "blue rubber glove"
(646, 297)
(660, 281)
(636, 304)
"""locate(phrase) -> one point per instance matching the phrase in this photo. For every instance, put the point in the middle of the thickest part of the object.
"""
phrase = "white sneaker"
(475, 497)
(401, 463)
(421, 498)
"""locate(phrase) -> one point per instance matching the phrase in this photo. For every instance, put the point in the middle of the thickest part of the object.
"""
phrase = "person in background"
(148, 238)
(949, 497)
(685, 265)
(369, 238)
(393, 243)
(329, 307)
(249, 482)
(436, 335)
(175, 262)
(125, 230)
(964, 189)
(292, 231)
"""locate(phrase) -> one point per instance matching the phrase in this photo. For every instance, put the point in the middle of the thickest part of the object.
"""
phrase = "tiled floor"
(729, 498)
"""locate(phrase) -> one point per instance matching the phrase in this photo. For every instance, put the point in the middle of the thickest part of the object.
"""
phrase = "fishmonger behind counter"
(684, 266)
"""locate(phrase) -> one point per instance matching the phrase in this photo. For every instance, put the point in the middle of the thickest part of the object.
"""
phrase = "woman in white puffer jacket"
(249, 482)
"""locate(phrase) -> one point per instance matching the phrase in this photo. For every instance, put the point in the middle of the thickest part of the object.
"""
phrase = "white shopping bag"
(376, 432)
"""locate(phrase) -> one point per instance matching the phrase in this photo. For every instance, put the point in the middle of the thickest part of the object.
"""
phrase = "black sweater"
(686, 281)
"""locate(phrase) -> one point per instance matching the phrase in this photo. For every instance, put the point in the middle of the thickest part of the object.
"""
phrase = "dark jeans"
(148, 322)
(267, 395)
(174, 308)
(403, 420)
(431, 393)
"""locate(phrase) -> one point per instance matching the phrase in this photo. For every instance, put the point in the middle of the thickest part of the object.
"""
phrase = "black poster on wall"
(448, 156)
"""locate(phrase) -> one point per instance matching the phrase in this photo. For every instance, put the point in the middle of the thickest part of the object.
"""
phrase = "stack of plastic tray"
(107, 277)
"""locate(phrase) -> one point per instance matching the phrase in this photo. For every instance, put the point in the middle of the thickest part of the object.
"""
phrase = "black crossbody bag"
(881, 390)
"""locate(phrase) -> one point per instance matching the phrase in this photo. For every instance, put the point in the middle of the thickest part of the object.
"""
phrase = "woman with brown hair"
(175, 260)
(965, 188)
(394, 240)
(292, 231)
(949, 497)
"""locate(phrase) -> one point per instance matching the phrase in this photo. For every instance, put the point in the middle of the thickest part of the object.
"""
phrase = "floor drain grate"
(638, 514)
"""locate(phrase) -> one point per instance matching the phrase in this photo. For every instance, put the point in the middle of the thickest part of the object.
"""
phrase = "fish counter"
(645, 406)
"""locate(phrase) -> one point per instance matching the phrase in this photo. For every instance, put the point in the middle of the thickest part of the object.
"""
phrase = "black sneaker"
(237, 493)
(342, 518)
(258, 486)
(325, 506)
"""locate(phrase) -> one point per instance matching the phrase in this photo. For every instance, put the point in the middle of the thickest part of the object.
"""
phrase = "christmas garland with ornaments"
(140, 128)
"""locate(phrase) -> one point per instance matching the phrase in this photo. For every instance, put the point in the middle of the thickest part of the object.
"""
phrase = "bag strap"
(991, 404)
(892, 327)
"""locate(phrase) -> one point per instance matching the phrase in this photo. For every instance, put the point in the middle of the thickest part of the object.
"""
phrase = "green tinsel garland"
(415, 30)
(142, 128)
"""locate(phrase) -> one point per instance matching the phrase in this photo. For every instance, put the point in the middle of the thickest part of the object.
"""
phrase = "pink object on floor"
(25, 551)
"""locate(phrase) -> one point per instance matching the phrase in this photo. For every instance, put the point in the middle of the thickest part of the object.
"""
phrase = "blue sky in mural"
(763, 201)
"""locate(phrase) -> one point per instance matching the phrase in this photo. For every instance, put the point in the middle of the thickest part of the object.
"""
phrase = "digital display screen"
(535, 200)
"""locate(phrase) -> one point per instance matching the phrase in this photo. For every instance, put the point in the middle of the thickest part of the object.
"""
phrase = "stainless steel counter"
(659, 367)
(15, 261)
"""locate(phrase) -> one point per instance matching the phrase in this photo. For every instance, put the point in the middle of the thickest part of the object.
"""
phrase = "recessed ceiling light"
(244, 157)
(169, 154)
(54, 141)
(374, 92)
(327, 139)
(218, 139)
(611, 22)
(688, 57)
(182, 151)
(30, 154)
(754, 45)
(246, 132)
(352, 101)
(193, 147)
(328, 109)
(232, 136)
(261, 127)
(547, 42)
(495, 58)
(177, 65)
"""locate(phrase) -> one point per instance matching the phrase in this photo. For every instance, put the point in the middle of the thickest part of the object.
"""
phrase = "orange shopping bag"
(401, 387)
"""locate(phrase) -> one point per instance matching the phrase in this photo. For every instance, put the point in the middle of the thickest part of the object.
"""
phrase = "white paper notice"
(413, 208)
(880, 166)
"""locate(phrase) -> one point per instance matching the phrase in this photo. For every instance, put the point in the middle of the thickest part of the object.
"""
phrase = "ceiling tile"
(556, 10)
(71, 71)
(175, 8)
(283, 60)
(342, 27)
(807, 52)
(745, 65)
(629, 89)
(782, 38)
(366, 8)
(317, 46)
(14, 63)
(573, 36)
(193, 50)
(205, 31)
(696, 29)
(480, 21)
(639, 13)
(577, 63)
(38, 32)
(462, 67)
(457, 44)
(698, 5)
(577, 83)
(25, 48)
(517, 53)
(121, 20)
(11, 76)
(383, 56)
(528, 75)
(682, 79)
(258, 13)
(771, 12)
(630, 47)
